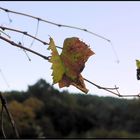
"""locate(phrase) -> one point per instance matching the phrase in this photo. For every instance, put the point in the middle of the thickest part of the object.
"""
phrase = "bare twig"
(27, 34)
(35, 34)
(110, 90)
(53, 23)
(10, 20)
(43, 42)
(27, 55)
(4, 104)
(25, 51)
(104, 88)
(100, 87)
(1, 123)
(5, 34)
(22, 47)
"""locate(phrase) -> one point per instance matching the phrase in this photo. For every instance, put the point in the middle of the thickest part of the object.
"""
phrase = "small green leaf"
(138, 64)
(57, 64)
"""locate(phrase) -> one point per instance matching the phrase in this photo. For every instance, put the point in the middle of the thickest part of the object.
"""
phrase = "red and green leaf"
(70, 63)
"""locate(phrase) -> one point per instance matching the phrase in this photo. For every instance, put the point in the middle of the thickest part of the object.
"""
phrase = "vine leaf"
(70, 63)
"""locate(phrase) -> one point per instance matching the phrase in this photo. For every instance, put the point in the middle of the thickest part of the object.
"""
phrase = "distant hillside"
(44, 112)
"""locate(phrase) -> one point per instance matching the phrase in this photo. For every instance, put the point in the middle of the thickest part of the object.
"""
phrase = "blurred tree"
(24, 118)
(44, 112)
(35, 104)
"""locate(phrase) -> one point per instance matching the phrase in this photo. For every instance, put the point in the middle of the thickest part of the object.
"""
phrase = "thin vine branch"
(27, 34)
(4, 106)
(4, 34)
(22, 47)
(27, 55)
(62, 25)
(10, 20)
(1, 123)
(35, 34)
(104, 88)
(110, 90)
(35, 38)
(53, 23)
(48, 57)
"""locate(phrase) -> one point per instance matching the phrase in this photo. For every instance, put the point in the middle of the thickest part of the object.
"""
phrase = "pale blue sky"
(117, 21)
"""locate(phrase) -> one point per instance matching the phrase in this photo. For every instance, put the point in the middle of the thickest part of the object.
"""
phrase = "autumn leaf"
(57, 65)
(68, 66)
(74, 55)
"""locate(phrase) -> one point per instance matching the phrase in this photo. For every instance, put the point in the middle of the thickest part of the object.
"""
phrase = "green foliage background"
(44, 112)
